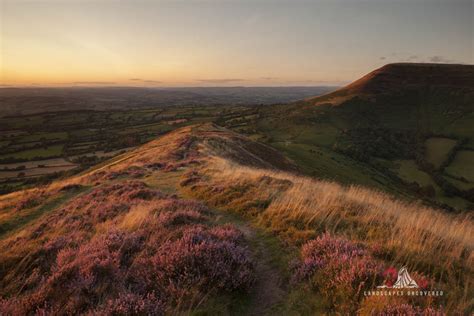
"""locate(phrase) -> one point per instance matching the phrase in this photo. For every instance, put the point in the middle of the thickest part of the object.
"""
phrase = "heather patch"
(338, 269)
(201, 260)
(139, 272)
(342, 271)
(105, 203)
(171, 261)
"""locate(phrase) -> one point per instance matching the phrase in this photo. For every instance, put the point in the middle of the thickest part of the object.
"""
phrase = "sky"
(224, 42)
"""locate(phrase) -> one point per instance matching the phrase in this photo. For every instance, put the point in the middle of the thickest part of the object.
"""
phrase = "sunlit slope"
(122, 238)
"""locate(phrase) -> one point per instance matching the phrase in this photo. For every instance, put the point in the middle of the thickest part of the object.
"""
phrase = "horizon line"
(160, 87)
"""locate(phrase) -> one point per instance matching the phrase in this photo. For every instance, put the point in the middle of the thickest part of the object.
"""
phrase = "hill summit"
(397, 77)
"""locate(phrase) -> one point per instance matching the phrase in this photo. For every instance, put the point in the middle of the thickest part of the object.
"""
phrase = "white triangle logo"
(404, 280)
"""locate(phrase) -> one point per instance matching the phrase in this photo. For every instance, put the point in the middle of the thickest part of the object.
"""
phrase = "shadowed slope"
(389, 130)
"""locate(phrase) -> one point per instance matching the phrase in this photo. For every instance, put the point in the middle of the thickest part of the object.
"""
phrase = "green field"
(437, 149)
(463, 185)
(463, 165)
(323, 163)
(43, 136)
(41, 153)
(409, 172)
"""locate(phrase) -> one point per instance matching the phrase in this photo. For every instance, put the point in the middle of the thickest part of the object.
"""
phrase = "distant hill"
(403, 77)
(403, 127)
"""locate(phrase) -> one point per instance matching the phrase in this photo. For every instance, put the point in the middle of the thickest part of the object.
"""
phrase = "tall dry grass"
(400, 232)
(403, 224)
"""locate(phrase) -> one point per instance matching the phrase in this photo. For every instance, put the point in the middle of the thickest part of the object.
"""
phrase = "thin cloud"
(403, 57)
(94, 82)
(151, 81)
(145, 80)
(268, 78)
(439, 59)
(225, 80)
(317, 82)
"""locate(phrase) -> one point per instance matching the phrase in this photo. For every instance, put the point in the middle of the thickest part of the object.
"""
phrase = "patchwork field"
(409, 171)
(462, 165)
(31, 145)
(437, 149)
(34, 154)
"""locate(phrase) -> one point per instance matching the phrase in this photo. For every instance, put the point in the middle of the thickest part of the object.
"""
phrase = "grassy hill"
(206, 221)
(417, 116)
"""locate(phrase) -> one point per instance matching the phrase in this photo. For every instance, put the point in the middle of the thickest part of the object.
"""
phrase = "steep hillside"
(206, 220)
(403, 128)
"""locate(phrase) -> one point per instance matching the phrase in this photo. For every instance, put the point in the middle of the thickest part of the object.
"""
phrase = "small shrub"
(179, 217)
(156, 166)
(71, 187)
(133, 172)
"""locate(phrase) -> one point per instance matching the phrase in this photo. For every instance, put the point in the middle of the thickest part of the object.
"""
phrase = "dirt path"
(269, 289)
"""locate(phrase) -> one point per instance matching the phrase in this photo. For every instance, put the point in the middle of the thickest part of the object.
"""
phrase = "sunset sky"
(224, 42)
